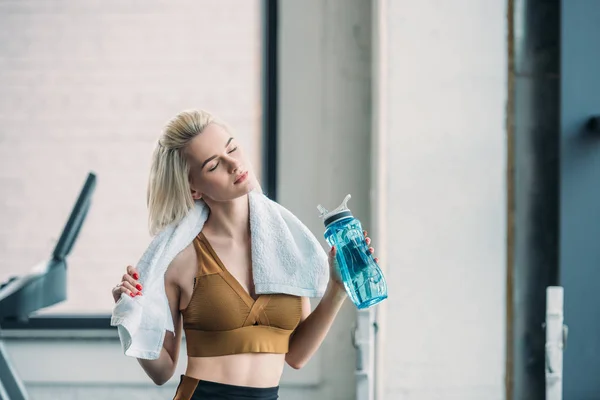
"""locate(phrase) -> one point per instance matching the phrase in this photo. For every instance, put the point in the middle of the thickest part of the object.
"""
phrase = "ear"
(196, 195)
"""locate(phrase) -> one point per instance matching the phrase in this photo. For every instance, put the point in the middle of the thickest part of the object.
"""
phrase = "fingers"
(130, 282)
(128, 279)
(128, 285)
(371, 250)
(331, 255)
(118, 290)
(132, 276)
(133, 272)
(129, 289)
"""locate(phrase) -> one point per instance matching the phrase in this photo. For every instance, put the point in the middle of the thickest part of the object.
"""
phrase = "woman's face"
(219, 170)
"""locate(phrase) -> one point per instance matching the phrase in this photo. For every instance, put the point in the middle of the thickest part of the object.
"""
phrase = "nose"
(234, 165)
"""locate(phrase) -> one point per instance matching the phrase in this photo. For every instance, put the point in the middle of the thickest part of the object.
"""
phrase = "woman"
(209, 284)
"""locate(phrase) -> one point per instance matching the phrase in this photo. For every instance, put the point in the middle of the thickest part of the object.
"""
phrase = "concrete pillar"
(441, 155)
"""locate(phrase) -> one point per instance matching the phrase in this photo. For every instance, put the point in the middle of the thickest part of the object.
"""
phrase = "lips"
(241, 178)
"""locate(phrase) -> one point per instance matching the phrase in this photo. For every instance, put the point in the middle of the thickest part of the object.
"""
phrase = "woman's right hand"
(128, 285)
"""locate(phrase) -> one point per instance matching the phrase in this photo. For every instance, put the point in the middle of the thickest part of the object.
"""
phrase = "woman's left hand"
(334, 276)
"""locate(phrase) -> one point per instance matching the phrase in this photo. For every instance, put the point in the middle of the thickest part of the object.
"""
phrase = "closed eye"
(215, 156)
(217, 164)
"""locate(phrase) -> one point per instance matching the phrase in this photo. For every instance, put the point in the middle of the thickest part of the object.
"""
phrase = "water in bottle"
(362, 277)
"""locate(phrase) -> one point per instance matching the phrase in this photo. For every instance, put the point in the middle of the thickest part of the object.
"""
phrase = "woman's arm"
(313, 328)
(311, 332)
(163, 368)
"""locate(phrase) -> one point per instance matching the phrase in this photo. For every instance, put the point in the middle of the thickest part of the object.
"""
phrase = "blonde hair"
(169, 195)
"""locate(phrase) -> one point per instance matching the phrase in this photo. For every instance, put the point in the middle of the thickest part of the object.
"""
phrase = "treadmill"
(45, 285)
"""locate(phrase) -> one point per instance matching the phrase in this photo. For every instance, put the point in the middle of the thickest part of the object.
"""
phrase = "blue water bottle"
(362, 277)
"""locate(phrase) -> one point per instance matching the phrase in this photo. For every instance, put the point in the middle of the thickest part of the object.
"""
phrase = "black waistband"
(249, 392)
(214, 390)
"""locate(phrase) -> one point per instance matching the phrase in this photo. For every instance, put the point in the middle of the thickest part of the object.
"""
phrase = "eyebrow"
(213, 157)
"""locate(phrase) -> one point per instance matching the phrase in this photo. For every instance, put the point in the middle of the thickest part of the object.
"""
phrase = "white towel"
(286, 258)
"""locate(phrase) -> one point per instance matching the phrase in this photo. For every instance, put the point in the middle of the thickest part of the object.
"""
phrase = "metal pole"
(534, 229)
(555, 342)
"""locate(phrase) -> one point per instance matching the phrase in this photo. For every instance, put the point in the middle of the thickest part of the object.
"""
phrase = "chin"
(238, 191)
(247, 188)
(243, 188)
(251, 184)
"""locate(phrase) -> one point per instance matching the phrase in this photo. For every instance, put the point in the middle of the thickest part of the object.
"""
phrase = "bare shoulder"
(183, 265)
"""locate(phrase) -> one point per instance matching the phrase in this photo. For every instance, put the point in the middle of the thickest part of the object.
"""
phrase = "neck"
(229, 218)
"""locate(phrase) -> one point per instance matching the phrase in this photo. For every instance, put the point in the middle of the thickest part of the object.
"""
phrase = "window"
(88, 87)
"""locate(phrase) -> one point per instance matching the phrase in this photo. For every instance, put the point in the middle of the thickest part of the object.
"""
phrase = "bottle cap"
(341, 212)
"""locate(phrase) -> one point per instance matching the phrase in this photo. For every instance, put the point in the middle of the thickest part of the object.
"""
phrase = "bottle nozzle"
(342, 208)
(344, 204)
(322, 210)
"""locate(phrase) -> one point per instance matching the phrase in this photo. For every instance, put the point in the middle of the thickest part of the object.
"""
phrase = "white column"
(441, 197)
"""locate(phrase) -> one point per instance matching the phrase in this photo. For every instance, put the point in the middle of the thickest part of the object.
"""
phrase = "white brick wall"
(444, 102)
(87, 85)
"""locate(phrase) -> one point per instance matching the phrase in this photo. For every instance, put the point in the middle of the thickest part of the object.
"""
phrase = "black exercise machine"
(44, 286)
